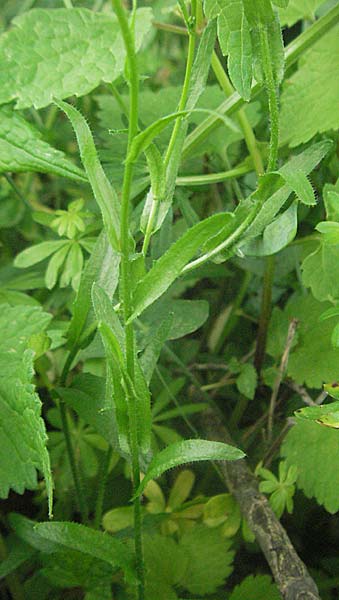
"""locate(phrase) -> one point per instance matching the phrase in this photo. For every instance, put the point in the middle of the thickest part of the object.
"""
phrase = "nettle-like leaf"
(314, 450)
(22, 433)
(239, 23)
(297, 10)
(62, 52)
(199, 563)
(315, 87)
(313, 360)
(320, 271)
(94, 543)
(259, 587)
(22, 149)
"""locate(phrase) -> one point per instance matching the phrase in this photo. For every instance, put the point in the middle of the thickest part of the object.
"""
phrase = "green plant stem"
(125, 280)
(210, 178)
(273, 98)
(149, 228)
(292, 53)
(79, 491)
(12, 582)
(68, 3)
(185, 89)
(242, 119)
(102, 486)
(265, 313)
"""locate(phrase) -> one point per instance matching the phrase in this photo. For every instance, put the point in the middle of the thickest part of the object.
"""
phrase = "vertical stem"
(242, 119)
(79, 492)
(102, 486)
(125, 281)
(185, 89)
(265, 313)
(273, 102)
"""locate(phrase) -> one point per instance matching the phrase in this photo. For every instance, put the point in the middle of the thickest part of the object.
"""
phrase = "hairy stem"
(265, 313)
(125, 281)
(273, 98)
(292, 53)
(242, 119)
(79, 488)
(102, 486)
(185, 90)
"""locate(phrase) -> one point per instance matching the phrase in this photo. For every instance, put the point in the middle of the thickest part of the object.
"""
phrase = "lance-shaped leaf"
(166, 270)
(119, 385)
(62, 52)
(102, 189)
(102, 268)
(22, 149)
(187, 451)
(87, 540)
(22, 432)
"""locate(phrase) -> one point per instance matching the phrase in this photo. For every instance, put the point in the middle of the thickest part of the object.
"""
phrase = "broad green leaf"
(186, 452)
(281, 3)
(256, 587)
(326, 414)
(297, 10)
(314, 450)
(166, 270)
(235, 41)
(305, 162)
(247, 381)
(34, 254)
(150, 356)
(188, 316)
(210, 559)
(68, 568)
(103, 192)
(306, 88)
(87, 397)
(313, 360)
(95, 543)
(18, 554)
(102, 268)
(320, 272)
(276, 236)
(22, 149)
(62, 52)
(22, 434)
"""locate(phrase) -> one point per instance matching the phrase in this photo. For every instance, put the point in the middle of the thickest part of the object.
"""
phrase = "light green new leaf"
(326, 414)
(166, 270)
(55, 265)
(187, 451)
(102, 268)
(315, 87)
(235, 41)
(34, 254)
(297, 10)
(276, 236)
(313, 360)
(259, 587)
(247, 381)
(22, 149)
(62, 52)
(95, 543)
(320, 272)
(87, 397)
(22, 433)
(103, 191)
(314, 450)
